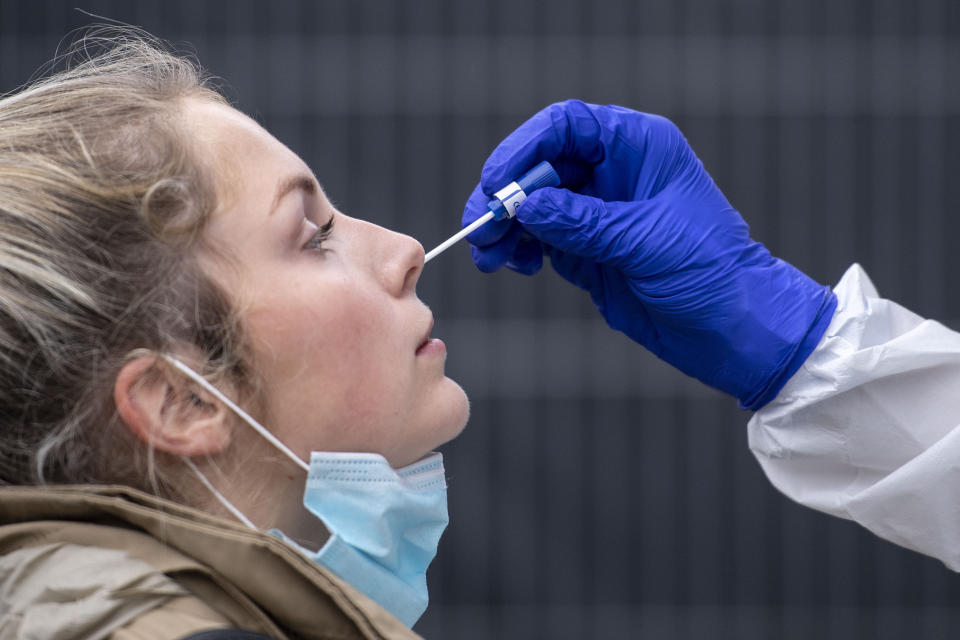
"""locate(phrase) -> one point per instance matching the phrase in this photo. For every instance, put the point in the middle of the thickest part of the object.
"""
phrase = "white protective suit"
(869, 428)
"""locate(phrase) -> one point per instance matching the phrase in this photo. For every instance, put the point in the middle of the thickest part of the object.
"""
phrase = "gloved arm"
(869, 427)
(642, 227)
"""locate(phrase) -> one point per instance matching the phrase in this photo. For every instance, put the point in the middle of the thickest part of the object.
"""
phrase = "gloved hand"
(643, 228)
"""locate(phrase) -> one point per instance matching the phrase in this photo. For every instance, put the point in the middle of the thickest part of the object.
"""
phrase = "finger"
(611, 233)
(611, 294)
(491, 231)
(527, 257)
(574, 269)
(490, 258)
(564, 130)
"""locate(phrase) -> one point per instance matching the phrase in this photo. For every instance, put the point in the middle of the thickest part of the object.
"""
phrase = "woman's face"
(339, 335)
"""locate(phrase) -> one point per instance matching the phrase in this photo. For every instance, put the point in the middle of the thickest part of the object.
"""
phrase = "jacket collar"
(293, 590)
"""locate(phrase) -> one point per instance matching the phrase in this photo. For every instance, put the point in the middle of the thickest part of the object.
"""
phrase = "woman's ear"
(161, 407)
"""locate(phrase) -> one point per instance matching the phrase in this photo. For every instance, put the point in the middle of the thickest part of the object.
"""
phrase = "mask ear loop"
(219, 496)
(272, 439)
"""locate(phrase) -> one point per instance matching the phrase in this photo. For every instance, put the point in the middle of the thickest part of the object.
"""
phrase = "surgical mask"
(384, 523)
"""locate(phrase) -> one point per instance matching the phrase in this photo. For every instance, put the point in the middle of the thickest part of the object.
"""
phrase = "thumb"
(612, 233)
(569, 132)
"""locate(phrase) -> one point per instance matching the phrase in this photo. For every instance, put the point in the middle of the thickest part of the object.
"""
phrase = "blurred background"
(596, 493)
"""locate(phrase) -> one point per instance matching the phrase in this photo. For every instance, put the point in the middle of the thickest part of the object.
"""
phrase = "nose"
(402, 262)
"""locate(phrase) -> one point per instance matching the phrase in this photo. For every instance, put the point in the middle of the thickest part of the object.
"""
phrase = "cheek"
(332, 355)
(369, 377)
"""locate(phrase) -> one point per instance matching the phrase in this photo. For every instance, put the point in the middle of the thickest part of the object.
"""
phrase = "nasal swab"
(504, 203)
(476, 224)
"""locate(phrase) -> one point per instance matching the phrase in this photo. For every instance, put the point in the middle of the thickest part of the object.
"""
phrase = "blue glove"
(643, 228)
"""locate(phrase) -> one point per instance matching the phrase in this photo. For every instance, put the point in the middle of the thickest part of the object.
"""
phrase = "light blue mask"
(385, 523)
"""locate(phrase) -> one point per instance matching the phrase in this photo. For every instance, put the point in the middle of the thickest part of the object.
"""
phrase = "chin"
(460, 411)
(450, 415)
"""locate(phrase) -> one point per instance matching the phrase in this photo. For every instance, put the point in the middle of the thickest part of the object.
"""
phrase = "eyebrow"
(301, 181)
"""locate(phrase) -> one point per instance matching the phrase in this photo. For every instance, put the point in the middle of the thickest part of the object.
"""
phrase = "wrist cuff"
(804, 348)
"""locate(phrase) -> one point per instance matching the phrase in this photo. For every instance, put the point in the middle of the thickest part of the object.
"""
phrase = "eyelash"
(315, 243)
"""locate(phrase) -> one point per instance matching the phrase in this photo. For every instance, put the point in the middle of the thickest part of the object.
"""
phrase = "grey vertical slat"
(565, 456)
(614, 506)
(12, 69)
(884, 103)
(657, 491)
(932, 169)
(837, 238)
(837, 174)
(932, 154)
(704, 503)
(518, 512)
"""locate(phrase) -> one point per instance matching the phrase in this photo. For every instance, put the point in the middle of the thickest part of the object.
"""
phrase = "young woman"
(172, 279)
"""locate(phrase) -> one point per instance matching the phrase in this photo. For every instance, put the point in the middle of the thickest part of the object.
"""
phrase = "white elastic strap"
(272, 439)
(219, 496)
(512, 196)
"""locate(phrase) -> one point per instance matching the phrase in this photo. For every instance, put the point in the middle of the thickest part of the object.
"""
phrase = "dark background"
(596, 493)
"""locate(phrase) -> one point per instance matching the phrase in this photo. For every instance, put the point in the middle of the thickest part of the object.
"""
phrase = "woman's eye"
(315, 243)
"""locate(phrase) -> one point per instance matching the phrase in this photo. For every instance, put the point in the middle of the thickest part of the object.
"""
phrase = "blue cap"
(542, 175)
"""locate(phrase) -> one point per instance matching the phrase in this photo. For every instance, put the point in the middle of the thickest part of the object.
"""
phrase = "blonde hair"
(102, 201)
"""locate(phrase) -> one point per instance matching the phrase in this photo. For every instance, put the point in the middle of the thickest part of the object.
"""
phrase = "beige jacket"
(114, 563)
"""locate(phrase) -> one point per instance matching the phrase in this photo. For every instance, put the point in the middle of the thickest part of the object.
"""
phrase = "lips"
(426, 336)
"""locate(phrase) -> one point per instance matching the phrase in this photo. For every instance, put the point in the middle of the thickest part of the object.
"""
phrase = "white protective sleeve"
(869, 428)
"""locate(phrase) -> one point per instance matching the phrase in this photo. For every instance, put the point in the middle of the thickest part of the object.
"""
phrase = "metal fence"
(597, 493)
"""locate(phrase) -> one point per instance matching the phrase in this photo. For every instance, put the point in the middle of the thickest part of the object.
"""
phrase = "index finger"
(563, 130)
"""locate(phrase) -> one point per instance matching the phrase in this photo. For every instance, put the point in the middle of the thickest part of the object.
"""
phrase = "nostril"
(412, 276)
(414, 261)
